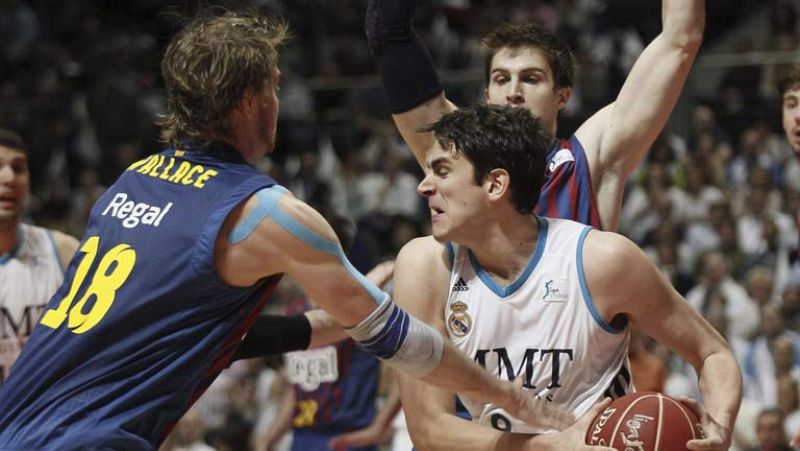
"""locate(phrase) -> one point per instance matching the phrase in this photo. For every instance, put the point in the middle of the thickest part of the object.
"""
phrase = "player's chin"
(439, 234)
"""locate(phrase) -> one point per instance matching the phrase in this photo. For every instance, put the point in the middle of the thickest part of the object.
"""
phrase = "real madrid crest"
(459, 321)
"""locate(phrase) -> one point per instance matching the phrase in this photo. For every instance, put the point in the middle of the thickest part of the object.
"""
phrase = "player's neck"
(506, 246)
(9, 235)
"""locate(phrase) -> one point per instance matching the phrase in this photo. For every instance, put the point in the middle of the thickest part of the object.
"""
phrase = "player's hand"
(717, 436)
(381, 273)
(574, 437)
(371, 435)
(796, 440)
(535, 412)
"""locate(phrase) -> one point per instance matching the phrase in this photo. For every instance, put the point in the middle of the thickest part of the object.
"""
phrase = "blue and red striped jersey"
(567, 192)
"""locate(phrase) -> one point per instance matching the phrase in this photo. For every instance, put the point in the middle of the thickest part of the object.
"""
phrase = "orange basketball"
(645, 421)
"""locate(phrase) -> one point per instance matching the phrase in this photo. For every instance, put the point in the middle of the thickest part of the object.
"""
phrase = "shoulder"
(421, 275)
(66, 246)
(424, 250)
(607, 254)
(271, 232)
(285, 211)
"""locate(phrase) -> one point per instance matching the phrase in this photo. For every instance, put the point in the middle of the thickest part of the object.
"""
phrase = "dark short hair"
(789, 80)
(519, 36)
(11, 139)
(208, 67)
(496, 136)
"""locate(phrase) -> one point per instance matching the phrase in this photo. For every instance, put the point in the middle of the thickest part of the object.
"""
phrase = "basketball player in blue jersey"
(179, 257)
(530, 68)
(547, 301)
(32, 259)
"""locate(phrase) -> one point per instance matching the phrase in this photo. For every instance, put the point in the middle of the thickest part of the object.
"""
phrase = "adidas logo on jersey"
(460, 285)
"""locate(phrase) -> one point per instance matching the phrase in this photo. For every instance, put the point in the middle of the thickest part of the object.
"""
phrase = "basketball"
(645, 421)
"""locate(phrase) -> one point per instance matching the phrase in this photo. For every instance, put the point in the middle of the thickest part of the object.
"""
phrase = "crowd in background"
(714, 206)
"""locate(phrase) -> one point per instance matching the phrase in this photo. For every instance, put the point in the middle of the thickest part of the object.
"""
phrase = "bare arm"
(66, 246)
(380, 430)
(410, 121)
(324, 329)
(282, 421)
(618, 136)
(640, 291)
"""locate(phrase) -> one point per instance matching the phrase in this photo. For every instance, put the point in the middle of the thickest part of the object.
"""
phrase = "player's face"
(523, 77)
(14, 182)
(267, 111)
(791, 118)
(769, 431)
(456, 202)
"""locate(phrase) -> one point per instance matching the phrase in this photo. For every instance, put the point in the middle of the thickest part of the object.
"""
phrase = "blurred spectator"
(742, 312)
(770, 432)
(761, 364)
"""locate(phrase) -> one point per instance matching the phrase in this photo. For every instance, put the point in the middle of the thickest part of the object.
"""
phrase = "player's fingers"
(595, 410)
(342, 441)
(542, 414)
(705, 444)
(692, 404)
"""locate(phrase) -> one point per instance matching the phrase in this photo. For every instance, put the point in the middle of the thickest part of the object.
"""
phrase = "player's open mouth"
(8, 198)
(436, 211)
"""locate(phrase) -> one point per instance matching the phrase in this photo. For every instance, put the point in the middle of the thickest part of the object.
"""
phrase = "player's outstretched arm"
(273, 232)
(622, 280)
(412, 87)
(618, 136)
(380, 430)
(275, 334)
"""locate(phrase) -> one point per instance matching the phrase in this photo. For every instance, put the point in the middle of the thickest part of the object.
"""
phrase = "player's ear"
(247, 103)
(563, 96)
(497, 183)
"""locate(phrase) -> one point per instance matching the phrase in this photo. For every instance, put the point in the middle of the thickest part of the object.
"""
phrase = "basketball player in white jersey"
(789, 90)
(32, 259)
(548, 302)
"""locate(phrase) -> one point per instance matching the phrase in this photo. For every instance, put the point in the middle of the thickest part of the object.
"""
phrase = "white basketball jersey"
(542, 327)
(29, 275)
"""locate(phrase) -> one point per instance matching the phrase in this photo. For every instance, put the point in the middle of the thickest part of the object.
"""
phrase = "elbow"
(688, 39)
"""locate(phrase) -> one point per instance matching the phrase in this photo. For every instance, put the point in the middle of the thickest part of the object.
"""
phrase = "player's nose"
(514, 95)
(425, 187)
(6, 174)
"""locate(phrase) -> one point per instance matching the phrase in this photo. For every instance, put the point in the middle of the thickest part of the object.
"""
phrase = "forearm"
(282, 421)
(275, 334)
(324, 329)
(721, 387)
(463, 376)
(409, 77)
(390, 408)
(437, 433)
(684, 23)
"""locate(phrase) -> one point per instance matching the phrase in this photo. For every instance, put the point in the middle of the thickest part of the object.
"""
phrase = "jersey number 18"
(103, 287)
